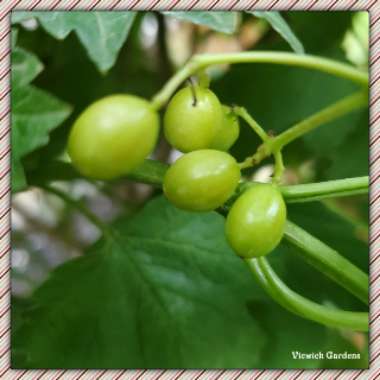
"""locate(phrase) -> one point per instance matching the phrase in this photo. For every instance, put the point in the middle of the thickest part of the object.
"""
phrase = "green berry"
(255, 224)
(192, 118)
(228, 132)
(201, 180)
(113, 136)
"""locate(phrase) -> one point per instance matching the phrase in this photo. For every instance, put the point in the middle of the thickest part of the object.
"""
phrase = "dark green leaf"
(321, 31)
(344, 344)
(351, 158)
(14, 35)
(25, 67)
(159, 293)
(224, 22)
(34, 113)
(164, 291)
(19, 16)
(101, 33)
(281, 27)
(18, 179)
(287, 334)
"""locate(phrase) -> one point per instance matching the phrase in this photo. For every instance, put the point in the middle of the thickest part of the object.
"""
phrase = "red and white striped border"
(6, 372)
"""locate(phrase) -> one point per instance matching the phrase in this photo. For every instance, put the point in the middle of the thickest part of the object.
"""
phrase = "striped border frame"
(6, 6)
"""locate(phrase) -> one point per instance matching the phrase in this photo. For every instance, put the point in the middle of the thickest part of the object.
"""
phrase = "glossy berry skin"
(201, 180)
(228, 132)
(190, 125)
(256, 222)
(113, 136)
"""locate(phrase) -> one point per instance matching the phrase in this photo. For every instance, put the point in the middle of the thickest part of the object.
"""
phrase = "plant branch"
(274, 144)
(302, 306)
(152, 172)
(328, 189)
(199, 62)
(278, 166)
(328, 261)
(330, 113)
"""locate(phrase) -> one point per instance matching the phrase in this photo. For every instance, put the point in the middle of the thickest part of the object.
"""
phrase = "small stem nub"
(192, 85)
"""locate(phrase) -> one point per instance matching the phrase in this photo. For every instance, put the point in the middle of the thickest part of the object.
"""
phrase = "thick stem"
(302, 306)
(199, 62)
(330, 113)
(329, 189)
(152, 172)
(162, 97)
(328, 261)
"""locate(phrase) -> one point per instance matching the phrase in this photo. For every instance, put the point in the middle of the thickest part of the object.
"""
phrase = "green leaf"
(164, 291)
(286, 334)
(34, 113)
(321, 31)
(346, 344)
(281, 27)
(19, 307)
(351, 157)
(14, 35)
(101, 33)
(224, 22)
(25, 67)
(18, 179)
(19, 16)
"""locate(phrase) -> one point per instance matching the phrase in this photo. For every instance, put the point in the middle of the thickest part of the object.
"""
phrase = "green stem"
(328, 261)
(329, 189)
(302, 306)
(278, 167)
(78, 206)
(152, 172)
(242, 112)
(199, 62)
(330, 113)
(262, 152)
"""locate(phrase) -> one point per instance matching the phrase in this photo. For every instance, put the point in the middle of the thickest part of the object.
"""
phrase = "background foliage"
(162, 288)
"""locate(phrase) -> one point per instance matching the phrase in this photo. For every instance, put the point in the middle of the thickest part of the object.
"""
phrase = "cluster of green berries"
(115, 134)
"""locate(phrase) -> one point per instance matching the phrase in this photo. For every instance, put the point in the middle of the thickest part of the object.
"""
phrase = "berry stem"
(202, 61)
(243, 113)
(326, 115)
(278, 166)
(302, 306)
(193, 90)
(203, 78)
(330, 113)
